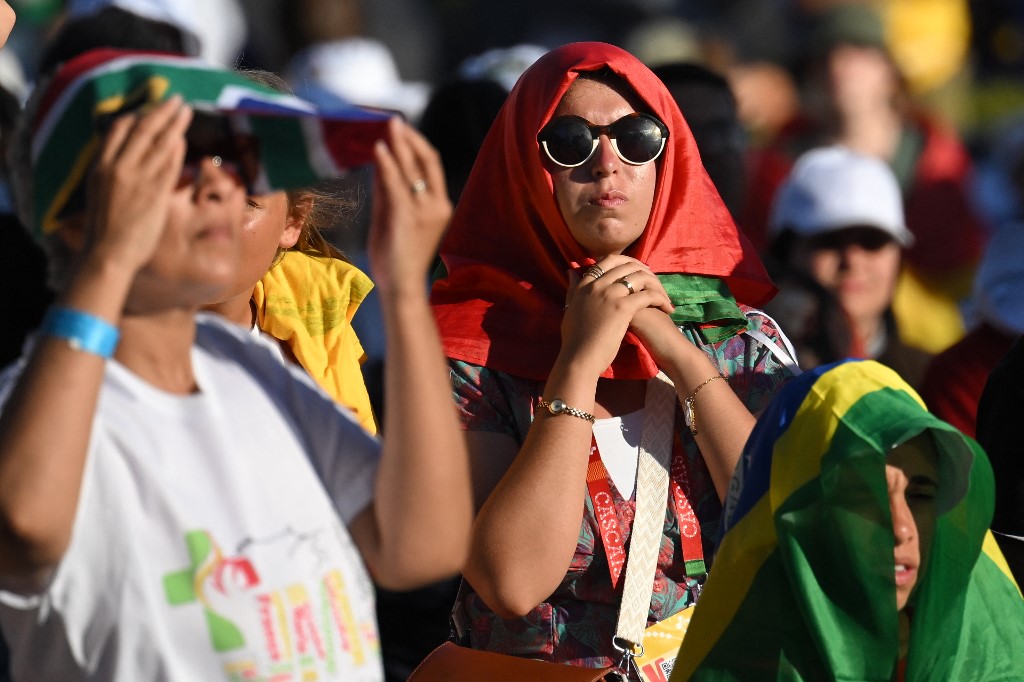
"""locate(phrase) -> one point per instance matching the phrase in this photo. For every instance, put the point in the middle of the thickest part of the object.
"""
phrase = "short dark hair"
(111, 27)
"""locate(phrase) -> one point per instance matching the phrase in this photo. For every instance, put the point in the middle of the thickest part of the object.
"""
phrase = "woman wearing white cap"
(839, 219)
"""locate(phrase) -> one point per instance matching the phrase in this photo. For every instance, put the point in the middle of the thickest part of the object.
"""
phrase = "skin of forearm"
(45, 428)
(423, 501)
(526, 533)
(723, 422)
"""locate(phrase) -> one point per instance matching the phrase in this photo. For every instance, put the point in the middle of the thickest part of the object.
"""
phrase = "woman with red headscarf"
(590, 251)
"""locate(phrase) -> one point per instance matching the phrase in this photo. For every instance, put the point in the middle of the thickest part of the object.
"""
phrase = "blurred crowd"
(871, 152)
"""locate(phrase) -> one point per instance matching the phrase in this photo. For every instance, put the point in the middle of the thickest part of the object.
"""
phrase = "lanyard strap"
(612, 535)
(689, 526)
(604, 510)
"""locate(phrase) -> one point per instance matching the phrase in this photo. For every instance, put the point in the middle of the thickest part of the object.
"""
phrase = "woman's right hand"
(130, 187)
(599, 310)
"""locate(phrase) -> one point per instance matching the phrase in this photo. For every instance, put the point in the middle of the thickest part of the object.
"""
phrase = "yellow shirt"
(307, 301)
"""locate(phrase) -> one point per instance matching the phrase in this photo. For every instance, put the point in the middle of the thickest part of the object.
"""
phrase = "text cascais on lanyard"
(608, 522)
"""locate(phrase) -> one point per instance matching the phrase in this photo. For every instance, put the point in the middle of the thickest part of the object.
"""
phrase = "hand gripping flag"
(295, 143)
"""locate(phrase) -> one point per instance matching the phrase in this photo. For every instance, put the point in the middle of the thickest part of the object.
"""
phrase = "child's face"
(912, 478)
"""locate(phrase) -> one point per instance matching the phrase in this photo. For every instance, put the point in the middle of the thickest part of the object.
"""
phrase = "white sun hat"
(357, 70)
(832, 188)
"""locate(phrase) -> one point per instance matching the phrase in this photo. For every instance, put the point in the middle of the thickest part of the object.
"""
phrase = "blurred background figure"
(999, 417)
(838, 218)
(462, 107)
(855, 94)
(994, 314)
(708, 104)
(214, 30)
(358, 70)
(501, 64)
(955, 378)
(25, 270)
(113, 26)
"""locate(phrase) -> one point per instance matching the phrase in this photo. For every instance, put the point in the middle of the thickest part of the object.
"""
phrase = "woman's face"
(859, 78)
(605, 202)
(858, 265)
(913, 481)
(198, 254)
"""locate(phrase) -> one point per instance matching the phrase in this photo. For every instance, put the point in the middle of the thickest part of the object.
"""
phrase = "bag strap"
(652, 482)
(787, 358)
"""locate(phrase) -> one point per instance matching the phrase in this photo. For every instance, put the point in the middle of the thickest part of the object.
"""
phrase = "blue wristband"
(82, 331)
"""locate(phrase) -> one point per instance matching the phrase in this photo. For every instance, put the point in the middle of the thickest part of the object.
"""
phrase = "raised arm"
(417, 529)
(46, 423)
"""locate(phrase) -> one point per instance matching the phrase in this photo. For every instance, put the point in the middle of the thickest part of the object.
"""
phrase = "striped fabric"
(803, 584)
(298, 145)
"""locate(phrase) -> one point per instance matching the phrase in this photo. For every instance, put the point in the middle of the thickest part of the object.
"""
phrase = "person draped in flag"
(856, 546)
(589, 251)
(178, 502)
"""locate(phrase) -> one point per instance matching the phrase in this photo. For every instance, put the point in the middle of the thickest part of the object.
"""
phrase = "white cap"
(357, 70)
(218, 26)
(832, 188)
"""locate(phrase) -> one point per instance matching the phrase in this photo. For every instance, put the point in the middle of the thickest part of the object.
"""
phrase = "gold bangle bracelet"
(690, 405)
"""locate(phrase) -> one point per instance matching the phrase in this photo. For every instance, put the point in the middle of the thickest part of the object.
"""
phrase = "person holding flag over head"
(177, 501)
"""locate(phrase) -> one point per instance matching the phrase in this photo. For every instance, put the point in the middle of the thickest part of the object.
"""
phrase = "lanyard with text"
(608, 521)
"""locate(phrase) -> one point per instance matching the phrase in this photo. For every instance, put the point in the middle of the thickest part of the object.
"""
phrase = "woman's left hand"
(659, 335)
(682, 361)
(411, 209)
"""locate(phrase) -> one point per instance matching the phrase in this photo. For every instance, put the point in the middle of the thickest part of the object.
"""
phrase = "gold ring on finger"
(625, 282)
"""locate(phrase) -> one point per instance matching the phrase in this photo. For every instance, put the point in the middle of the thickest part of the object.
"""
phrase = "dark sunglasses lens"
(568, 141)
(210, 137)
(638, 138)
(873, 240)
(866, 238)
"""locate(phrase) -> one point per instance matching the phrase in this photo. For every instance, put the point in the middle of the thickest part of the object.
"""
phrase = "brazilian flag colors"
(803, 586)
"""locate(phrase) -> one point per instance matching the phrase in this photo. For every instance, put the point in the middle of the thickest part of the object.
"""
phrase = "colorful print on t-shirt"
(266, 628)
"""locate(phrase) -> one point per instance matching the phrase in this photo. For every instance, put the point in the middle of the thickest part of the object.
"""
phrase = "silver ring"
(217, 161)
(625, 282)
(420, 185)
(594, 271)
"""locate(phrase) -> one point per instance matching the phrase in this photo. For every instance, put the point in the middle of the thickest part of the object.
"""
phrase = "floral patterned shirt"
(576, 623)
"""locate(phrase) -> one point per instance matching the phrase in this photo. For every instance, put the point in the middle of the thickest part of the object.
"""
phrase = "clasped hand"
(600, 309)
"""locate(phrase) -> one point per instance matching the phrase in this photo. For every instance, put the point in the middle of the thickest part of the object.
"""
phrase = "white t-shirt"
(210, 541)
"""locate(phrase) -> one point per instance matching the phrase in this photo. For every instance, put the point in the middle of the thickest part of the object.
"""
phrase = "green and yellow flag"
(803, 585)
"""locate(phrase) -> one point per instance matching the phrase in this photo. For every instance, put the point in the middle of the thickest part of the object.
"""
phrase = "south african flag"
(297, 144)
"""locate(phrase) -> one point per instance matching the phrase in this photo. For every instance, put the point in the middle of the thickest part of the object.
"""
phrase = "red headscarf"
(508, 250)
